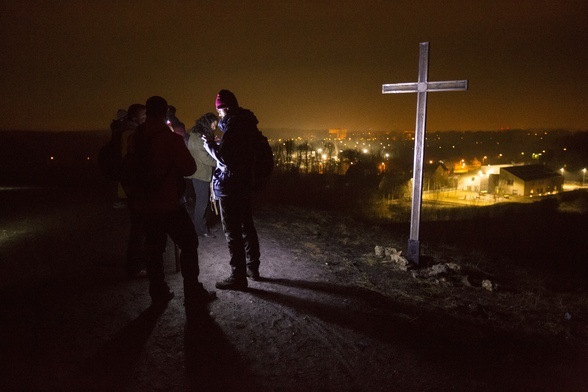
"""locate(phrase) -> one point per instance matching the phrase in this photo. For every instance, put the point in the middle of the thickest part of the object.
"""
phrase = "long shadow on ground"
(112, 368)
(504, 360)
(212, 363)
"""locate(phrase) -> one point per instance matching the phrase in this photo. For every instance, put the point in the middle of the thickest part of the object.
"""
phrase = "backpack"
(110, 157)
(263, 165)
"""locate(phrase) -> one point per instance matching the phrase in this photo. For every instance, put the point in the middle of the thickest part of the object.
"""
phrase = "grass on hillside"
(534, 254)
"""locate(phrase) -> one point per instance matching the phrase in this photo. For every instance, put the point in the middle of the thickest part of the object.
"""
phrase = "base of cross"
(413, 254)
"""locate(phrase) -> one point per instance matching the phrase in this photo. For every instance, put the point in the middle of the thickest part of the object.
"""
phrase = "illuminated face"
(141, 117)
(222, 112)
(213, 125)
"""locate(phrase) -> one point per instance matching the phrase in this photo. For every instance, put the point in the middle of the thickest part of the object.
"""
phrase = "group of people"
(171, 157)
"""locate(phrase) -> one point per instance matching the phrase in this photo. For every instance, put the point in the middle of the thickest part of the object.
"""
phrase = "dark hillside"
(44, 158)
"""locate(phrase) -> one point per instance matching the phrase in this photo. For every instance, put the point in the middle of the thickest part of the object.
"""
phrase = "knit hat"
(226, 99)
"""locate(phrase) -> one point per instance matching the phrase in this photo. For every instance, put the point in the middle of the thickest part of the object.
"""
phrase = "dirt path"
(69, 321)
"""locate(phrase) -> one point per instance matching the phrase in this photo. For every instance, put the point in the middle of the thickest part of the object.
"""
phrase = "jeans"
(241, 235)
(178, 225)
(197, 209)
(135, 247)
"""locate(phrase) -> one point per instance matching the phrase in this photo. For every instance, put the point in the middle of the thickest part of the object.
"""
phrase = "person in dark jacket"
(233, 186)
(155, 198)
(135, 254)
(174, 122)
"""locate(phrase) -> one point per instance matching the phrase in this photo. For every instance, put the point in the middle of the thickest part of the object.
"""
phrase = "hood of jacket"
(241, 117)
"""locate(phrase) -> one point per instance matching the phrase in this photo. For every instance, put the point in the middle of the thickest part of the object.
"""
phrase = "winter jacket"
(166, 161)
(125, 140)
(234, 154)
(204, 162)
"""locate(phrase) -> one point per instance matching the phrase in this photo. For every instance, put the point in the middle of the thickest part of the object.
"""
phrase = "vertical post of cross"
(422, 87)
(413, 253)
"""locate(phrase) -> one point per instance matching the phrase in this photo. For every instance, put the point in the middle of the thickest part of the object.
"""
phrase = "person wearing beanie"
(226, 99)
(233, 187)
(162, 162)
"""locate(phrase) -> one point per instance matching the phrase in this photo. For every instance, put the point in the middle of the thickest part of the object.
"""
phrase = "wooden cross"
(421, 87)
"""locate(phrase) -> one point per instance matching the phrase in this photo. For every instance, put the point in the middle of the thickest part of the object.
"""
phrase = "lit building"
(530, 180)
(337, 133)
(480, 179)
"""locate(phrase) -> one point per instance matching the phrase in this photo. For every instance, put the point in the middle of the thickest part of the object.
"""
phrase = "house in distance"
(530, 180)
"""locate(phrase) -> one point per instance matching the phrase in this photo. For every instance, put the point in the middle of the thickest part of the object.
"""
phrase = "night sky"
(313, 65)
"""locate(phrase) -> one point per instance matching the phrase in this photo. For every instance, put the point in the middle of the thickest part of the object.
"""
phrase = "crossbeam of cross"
(422, 87)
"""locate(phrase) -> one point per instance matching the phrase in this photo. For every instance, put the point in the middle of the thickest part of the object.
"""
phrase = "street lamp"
(583, 176)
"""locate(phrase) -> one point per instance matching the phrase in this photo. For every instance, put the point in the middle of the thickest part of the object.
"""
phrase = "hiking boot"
(253, 274)
(232, 283)
(195, 293)
(201, 297)
(162, 296)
